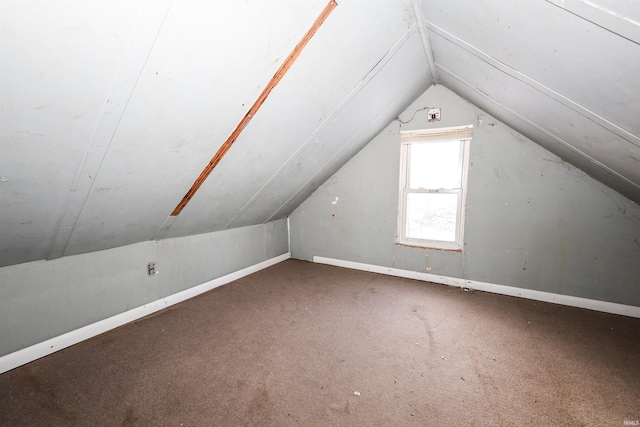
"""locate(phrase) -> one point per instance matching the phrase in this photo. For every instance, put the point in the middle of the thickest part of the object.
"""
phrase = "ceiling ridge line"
(108, 123)
(424, 36)
(556, 96)
(359, 86)
(544, 131)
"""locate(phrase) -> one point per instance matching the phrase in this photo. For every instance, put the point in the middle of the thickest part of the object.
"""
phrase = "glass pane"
(435, 165)
(431, 216)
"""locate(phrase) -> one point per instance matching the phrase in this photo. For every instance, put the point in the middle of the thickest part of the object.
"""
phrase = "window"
(433, 180)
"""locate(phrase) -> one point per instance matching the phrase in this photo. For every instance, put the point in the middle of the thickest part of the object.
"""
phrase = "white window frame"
(461, 134)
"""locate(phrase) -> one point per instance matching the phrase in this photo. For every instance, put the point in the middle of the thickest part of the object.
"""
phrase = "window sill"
(427, 246)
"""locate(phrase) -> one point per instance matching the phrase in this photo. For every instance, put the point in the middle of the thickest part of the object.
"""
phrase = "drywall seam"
(528, 122)
(151, 21)
(556, 96)
(327, 121)
(568, 300)
(336, 154)
(604, 18)
(45, 348)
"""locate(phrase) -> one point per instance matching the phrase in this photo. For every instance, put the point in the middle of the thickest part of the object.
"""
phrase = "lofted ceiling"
(562, 72)
(109, 111)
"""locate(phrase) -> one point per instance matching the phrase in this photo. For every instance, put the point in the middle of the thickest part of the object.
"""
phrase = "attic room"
(267, 213)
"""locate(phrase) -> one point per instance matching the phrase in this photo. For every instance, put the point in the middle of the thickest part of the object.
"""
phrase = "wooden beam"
(255, 107)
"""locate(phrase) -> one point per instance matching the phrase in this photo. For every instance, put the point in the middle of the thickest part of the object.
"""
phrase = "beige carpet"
(301, 344)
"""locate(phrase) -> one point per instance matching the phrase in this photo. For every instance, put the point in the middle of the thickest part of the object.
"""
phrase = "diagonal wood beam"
(255, 107)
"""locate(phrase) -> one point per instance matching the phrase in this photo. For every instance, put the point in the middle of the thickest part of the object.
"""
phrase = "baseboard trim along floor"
(36, 351)
(604, 306)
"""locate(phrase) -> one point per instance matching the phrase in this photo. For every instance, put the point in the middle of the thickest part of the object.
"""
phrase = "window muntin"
(432, 187)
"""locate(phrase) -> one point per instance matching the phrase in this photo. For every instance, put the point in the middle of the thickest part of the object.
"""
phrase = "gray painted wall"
(532, 220)
(43, 299)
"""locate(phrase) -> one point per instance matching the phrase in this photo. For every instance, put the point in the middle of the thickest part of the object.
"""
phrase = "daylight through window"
(433, 179)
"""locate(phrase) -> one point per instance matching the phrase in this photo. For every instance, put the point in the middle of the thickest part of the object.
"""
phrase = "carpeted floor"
(302, 344)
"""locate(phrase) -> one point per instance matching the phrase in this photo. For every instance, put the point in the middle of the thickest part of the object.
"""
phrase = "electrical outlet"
(433, 114)
(151, 268)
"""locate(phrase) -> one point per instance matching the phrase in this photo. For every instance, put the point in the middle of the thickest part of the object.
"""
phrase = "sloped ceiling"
(562, 72)
(110, 110)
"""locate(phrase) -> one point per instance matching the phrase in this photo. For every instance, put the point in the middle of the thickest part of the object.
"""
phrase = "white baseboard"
(606, 307)
(36, 351)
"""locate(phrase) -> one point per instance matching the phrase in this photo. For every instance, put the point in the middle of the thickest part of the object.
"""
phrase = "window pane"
(431, 216)
(435, 165)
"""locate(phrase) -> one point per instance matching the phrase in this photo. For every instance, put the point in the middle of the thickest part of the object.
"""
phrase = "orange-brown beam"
(255, 107)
